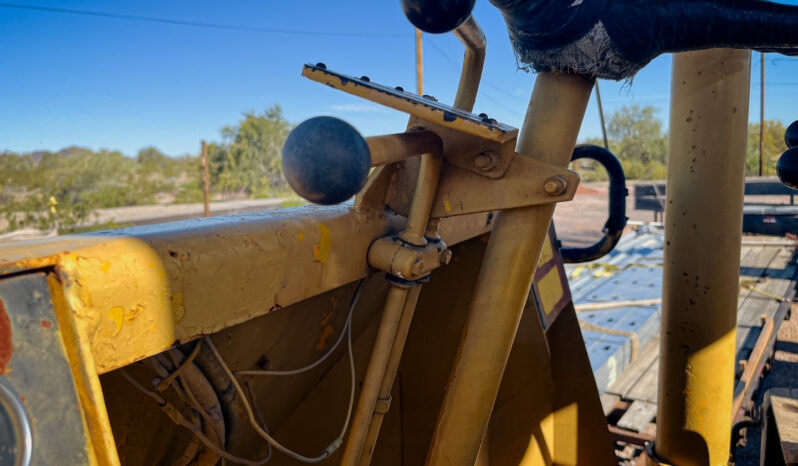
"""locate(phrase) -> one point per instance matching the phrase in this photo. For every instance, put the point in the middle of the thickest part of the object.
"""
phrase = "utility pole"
(206, 179)
(762, 115)
(601, 117)
(419, 65)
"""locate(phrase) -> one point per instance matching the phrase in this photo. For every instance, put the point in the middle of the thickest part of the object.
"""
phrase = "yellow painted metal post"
(549, 134)
(206, 180)
(419, 64)
(706, 168)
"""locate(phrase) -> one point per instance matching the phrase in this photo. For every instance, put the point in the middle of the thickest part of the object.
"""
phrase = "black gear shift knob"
(326, 160)
(437, 16)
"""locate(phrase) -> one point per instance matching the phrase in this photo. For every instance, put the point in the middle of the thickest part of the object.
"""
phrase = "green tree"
(248, 161)
(773, 146)
(636, 137)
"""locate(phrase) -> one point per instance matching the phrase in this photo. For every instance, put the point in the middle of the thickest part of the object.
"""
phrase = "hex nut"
(446, 256)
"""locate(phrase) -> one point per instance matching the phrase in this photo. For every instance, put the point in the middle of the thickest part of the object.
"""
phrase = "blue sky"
(101, 82)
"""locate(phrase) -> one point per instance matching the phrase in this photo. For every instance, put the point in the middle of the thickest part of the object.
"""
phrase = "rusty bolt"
(418, 267)
(485, 161)
(555, 185)
(446, 256)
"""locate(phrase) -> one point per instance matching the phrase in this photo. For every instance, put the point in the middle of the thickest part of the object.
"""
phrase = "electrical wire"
(335, 444)
(318, 361)
(179, 419)
(260, 417)
(482, 92)
(181, 22)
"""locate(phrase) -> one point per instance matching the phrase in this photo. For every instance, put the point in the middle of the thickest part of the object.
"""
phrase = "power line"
(482, 92)
(181, 22)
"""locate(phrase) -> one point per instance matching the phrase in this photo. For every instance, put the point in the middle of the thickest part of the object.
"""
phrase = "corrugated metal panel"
(631, 272)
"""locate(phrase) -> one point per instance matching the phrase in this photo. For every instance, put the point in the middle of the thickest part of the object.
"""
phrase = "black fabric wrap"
(640, 30)
(542, 24)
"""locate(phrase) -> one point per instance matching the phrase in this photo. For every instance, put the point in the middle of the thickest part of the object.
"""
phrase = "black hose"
(616, 222)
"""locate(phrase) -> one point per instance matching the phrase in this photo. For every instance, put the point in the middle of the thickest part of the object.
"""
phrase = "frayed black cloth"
(613, 39)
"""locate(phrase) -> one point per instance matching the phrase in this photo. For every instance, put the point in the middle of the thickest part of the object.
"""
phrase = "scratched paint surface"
(176, 281)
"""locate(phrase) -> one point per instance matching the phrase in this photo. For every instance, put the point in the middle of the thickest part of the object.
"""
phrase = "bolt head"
(484, 161)
(555, 185)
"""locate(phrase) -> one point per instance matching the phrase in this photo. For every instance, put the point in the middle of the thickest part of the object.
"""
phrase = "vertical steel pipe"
(390, 374)
(706, 168)
(369, 391)
(549, 134)
(429, 172)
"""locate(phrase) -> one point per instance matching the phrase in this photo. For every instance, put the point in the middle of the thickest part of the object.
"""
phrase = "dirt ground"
(579, 223)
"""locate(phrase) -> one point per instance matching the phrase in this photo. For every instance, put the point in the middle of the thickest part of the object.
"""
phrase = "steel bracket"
(527, 182)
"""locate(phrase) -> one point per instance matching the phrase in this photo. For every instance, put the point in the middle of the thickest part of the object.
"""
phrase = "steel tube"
(369, 391)
(548, 134)
(392, 148)
(429, 173)
(390, 374)
(475, 44)
(706, 168)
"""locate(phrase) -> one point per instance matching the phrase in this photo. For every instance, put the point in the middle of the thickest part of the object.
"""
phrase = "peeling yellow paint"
(300, 237)
(133, 313)
(322, 251)
(116, 314)
(105, 267)
(446, 205)
(178, 310)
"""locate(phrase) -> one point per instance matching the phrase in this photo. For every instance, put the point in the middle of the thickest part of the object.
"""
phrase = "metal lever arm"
(327, 161)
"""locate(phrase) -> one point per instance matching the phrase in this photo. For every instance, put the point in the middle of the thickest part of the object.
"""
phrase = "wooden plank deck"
(767, 274)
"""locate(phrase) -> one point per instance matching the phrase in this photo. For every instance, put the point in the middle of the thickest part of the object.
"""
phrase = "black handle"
(787, 167)
(437, 16)
(326, 160)
(617, 219)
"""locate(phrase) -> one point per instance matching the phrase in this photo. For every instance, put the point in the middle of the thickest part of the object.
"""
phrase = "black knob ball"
(326, 160)
(437, 16)
(787, 168)
(791, 134)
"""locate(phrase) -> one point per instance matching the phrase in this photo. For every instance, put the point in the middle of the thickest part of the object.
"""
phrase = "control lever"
(327, 161)
(437, 16)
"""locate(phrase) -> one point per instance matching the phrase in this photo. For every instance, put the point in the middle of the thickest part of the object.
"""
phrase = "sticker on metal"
(550, 288)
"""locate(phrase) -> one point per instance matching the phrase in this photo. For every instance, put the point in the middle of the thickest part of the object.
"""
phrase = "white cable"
(321, 359)
(248, 408)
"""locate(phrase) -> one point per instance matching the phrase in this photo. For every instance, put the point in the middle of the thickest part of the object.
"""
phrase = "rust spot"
(6, 349)
(325, 334)
(46, 324)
